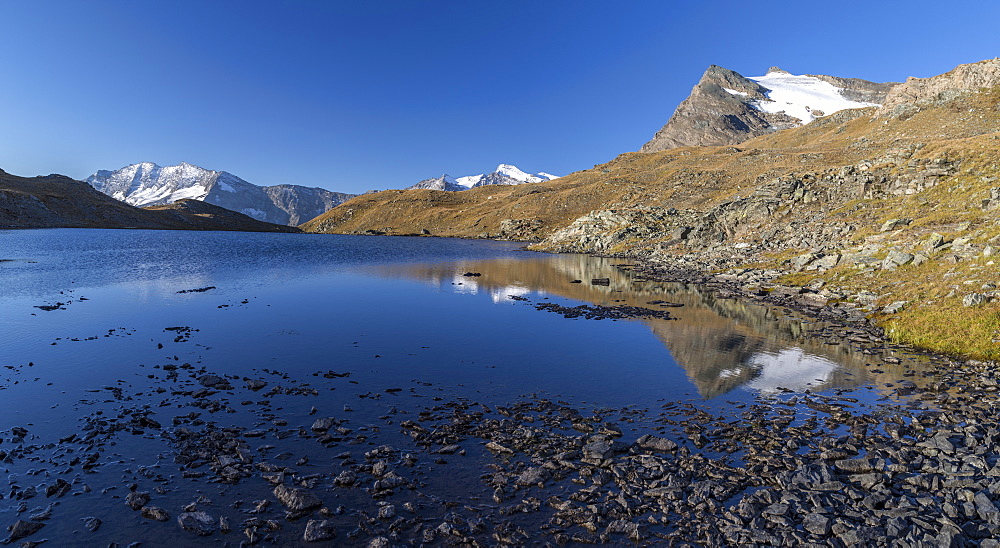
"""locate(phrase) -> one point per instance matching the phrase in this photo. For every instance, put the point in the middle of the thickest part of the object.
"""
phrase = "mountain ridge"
(148, 184)
(505, 174)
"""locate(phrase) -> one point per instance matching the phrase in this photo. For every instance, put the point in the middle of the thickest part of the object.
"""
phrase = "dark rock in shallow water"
(137, 499)
(197, 522)
(154, 512)
(323, 424)
(214, 381)
(296, 500)
(533, 476)
(255, 384)
(319, 530)
(91, 523)
(654, 443)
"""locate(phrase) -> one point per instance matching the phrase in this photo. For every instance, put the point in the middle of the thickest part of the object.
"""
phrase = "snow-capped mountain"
(726, 108)
(505, 174)
(147, 184)
(444, 182)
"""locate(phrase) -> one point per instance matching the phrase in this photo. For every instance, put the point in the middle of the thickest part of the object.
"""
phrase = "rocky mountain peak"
(444, 182)
(726, 108)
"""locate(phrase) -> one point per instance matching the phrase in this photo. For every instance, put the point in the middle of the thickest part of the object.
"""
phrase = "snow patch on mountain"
(469, 181)
(802, 97)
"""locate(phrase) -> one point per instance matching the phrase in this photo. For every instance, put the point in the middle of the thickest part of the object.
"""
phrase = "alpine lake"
(163, 388)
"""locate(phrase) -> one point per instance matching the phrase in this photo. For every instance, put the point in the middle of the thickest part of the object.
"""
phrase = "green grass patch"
(950, 328)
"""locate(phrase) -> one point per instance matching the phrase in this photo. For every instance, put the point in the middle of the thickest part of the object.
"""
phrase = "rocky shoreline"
(267, 458)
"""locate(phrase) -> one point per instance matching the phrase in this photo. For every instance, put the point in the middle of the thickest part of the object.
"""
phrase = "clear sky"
(366, 94)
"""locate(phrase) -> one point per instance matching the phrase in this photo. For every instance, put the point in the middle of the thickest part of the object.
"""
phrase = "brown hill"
(56, 201)
(892, 204)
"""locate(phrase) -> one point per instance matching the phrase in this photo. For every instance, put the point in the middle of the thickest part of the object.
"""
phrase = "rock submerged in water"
(214, 381)
(91, 523)
(22, 529)
(155, 512)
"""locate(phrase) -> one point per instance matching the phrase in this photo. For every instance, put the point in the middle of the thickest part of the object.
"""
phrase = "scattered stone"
(973, 299)
(896, 258)
(893, 224)
(895, 307)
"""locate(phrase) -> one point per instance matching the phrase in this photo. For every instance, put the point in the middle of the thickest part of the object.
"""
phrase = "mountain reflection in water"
(721, 343)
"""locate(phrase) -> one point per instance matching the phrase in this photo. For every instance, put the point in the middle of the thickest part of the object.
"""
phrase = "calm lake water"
(394, 313)
(301, 301)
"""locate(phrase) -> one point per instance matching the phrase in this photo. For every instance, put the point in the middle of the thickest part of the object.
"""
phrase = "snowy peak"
(514, 173)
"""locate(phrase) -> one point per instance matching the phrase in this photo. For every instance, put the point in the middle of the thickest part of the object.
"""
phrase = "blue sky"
(362, 95)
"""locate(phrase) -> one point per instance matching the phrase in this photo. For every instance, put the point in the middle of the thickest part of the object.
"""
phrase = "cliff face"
(726, 108)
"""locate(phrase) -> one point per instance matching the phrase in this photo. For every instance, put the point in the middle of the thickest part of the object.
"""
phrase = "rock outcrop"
(909, 96)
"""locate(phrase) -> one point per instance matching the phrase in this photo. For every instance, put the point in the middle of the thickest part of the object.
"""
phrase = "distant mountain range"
(147, 184)
(55, 201)
(726, 108)
(505, 174)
